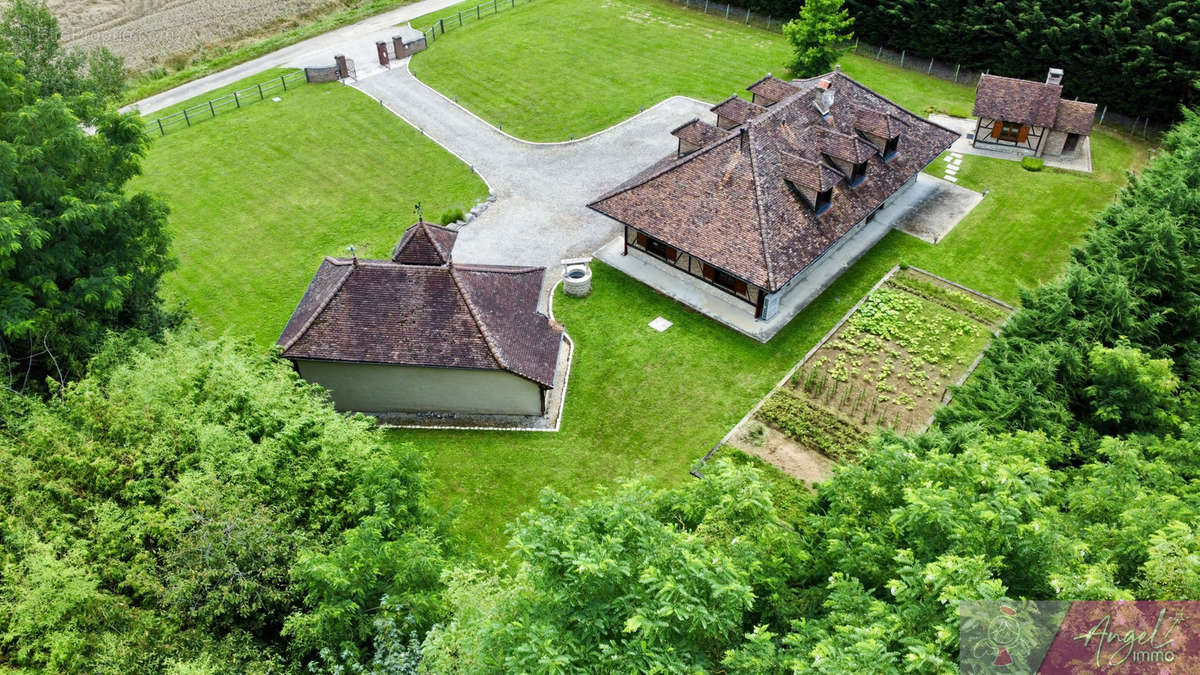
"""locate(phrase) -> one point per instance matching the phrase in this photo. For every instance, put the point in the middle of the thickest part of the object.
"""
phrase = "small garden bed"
(889, 364)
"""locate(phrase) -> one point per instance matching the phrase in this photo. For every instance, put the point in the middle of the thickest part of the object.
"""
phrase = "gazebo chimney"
(824, 100)
(1054, 76)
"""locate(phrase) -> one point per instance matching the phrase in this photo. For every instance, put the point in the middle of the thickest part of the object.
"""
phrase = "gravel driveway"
(542, 189)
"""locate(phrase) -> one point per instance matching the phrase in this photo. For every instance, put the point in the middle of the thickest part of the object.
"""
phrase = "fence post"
(283, 82)
(260, 94)
(747, 17)
(160, 129)
(706, 6)
(495, 6)
(186, 118)
(727, 8)
(460, 18)
(856, 44)
(1102, 113)
(878, 52)
(442, 23)
(956, 67)
(477, 16)
(238, 102)
(902, 51)
(211, 109)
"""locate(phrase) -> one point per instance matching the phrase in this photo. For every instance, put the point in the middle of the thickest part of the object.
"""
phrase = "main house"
(1030, 117)
(420, 333)
(777, 198)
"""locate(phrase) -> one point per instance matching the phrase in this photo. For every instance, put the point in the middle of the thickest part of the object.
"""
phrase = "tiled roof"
(848, 147)
(456, 316)
(738, 109)
(729, 203)
(771, 88)
(877, 123)
(699, 133)
(807, 173)
(1075, 117)
(1012, 100)
(425, 244)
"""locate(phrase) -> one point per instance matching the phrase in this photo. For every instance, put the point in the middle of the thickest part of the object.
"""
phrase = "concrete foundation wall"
(1053, 145)
(370, 387)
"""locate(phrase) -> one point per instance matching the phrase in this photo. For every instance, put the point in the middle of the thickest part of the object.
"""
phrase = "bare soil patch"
(792, 457)
(149, 33)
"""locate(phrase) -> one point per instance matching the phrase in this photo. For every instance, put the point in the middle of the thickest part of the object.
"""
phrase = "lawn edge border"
(562, 403)
(792, 371)
(546, 143)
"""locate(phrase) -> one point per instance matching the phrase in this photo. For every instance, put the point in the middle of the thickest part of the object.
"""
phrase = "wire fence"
(236, 100)
(468, 16)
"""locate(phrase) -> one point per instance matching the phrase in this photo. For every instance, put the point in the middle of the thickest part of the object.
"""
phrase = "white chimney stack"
(824, 100)
(1054, 76)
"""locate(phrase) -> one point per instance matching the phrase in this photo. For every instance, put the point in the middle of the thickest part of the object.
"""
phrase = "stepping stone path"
(660, 324)
(953, 164)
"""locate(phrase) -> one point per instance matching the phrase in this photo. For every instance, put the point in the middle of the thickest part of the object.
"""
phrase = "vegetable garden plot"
(889, 365)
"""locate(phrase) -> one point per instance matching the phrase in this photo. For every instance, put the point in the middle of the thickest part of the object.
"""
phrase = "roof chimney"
(353, 255)
(1054, 76)
(743, 138)
(824, 100)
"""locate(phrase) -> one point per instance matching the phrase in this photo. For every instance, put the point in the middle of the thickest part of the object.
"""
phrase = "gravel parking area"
(542, 189)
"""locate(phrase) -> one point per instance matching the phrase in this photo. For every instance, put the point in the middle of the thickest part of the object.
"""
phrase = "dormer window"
(889, 150)
(858, 174)
(824, 199)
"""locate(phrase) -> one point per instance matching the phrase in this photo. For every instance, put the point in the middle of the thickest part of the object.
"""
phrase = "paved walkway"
(356, 41)
(542, 189)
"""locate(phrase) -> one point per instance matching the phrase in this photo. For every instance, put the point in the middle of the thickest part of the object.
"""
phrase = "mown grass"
(549, 70)
(645, 403)
(260, 195)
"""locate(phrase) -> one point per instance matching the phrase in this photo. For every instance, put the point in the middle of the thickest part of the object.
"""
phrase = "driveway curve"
(540, 214)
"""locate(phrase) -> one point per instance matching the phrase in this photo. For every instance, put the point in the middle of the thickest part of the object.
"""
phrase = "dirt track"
(148, 32)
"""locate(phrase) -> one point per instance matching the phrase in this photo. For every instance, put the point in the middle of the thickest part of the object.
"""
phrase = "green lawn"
(547, 70)
(644, 403)
(260, 195)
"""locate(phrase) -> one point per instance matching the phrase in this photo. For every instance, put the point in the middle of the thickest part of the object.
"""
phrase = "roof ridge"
(503, 269)
(759, 206)
(321, 308)
(479, 323)
(687, 123)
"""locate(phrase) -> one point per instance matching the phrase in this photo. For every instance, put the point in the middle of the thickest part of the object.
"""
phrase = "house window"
(661, 249)
(824, 198)
(889, 150)
(725, 280)
(1010, 131)
(858, 174)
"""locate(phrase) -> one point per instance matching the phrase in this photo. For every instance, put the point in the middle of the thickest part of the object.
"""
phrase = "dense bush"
(451, 216)
(196, 505)
(1032, 163)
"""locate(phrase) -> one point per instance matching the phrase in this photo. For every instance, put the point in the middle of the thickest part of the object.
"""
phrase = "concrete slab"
(660, 324)
(935, 207)
(1081, 160)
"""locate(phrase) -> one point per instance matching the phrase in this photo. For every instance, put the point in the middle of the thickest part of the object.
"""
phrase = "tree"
(818, 36)
(1129, 390)
(30, 32)
(633, 580)
(166, 512)
(78, 256)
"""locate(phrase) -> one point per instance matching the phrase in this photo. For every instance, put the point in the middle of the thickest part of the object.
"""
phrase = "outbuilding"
(420, 333)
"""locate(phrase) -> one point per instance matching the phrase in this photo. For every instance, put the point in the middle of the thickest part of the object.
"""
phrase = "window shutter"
(740, 287)
(997, 128)
(1023, 133)
(640, 240)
